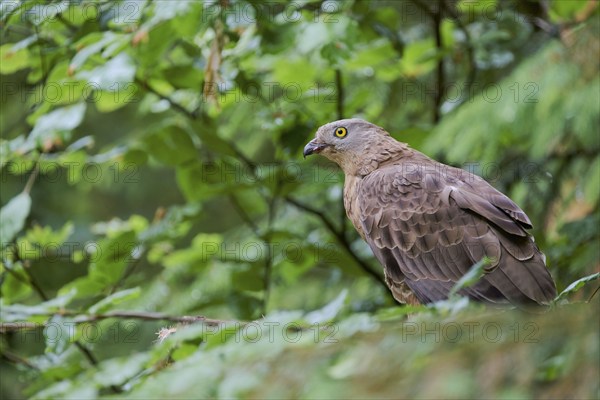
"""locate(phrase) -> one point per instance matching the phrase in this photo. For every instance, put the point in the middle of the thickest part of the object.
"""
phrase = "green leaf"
(40, 13)
(74, 163)
(199, 181)
(552, 369)
(13, 216)
(175, 223)
(173, 10)
(21, 312)
(184, 76)
(66, 389)
(248, 277)
(171, 145)
(561, 11)
(114, 75)
(419, 57)
(109, 258)
(245, 305)
(59, 332)
(471, 277)
(65, 89)
(204, 248)
(575, 286)
(118, 370)
(85, 286)
(329, 312)
(396, 313)
(447, 32)
(12, 60)
(184, 350)
(93, 44)
(114, 299)
(474, 7)
(55, 126)
(15, 289)
(211, 139)
(44, 236)
(592, 183)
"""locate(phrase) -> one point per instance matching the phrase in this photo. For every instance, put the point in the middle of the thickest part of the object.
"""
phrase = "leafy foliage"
(150, 160)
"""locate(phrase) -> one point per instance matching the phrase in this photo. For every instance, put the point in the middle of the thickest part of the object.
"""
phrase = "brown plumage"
(428, 223)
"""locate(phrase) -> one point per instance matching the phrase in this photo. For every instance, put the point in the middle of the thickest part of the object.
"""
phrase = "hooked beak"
(313, 147)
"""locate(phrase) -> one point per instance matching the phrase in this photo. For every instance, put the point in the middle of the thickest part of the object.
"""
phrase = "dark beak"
(313, 147)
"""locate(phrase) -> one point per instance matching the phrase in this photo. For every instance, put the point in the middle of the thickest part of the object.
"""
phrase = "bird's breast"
(351, 188)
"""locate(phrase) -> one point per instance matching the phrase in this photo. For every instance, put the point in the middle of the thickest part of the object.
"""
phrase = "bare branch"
(190, 114)
(468, 47)
(244, 215)
(16, 359)
(79, 318)
(340, 238)
(340, 93)
(38, 289)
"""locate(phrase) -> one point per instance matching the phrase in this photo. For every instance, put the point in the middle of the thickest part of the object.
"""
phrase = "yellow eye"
(341, 132)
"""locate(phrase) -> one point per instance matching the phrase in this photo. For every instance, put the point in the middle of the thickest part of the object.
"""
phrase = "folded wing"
(428, 226)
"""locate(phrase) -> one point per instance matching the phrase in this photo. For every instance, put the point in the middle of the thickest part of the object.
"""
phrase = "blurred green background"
(151, 169)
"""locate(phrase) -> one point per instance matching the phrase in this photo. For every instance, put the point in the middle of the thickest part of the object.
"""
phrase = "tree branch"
(16, 359)
(79, 318)
(340, 94)
(340, 115)
(269, 256)
(38, 289)
(26, 280)
(340, 238)
(423, 7)
(173, 103)
(439, 90)
(436, 16)
(244, 215)
(72, 28)
(468, 47)
(264, 237)
(129, 270)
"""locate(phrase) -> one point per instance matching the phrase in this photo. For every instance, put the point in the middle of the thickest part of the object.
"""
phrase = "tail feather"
(523, 282)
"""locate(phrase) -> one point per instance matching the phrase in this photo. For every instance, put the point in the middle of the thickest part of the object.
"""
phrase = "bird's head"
(350, 143)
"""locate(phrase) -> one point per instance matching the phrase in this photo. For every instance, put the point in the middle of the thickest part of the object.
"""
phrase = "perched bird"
(429, 223)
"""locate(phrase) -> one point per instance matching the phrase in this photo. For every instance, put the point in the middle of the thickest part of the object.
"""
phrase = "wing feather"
(428, 229)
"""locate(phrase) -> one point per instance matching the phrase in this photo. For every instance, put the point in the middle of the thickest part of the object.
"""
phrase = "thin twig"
(129, 269)
(436, 17)
(36, 286)
(151, 316)
(340, 238)
(245, 160)
(79, 318)
(269, 255)
(340, 115)
(543, 21)
(439, 90)
(264, 237)
(86, 352)
(42, 58)
(340, 93)
(32, 177)
(471, 75)
(38, 289)
(593, 294)
(16, 275)
(16, 359)
(244, 215)
(190, 114)
(66, 23)
(423, 7)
